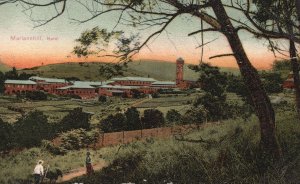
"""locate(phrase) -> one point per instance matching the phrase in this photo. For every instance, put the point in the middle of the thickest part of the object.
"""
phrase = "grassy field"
(21, 166)
(90, 71)
(219, 156)
(56, 109)
(223, 153)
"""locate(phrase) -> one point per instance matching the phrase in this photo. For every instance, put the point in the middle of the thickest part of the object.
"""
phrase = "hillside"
(160, 70)
(4, 67)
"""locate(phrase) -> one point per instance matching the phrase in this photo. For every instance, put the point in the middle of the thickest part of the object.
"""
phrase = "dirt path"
(81, 171)
(140, 102)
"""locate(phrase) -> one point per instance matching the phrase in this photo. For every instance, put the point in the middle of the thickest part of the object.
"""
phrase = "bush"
(74, 120)
(51, 148)
(195, 115)
(155, 95)
(113, 123)
(72, 96)
(36, 95)
(79, 138)
(173, 116)
(102, 99)
(153, 118)
(31, 129)
(72, 140)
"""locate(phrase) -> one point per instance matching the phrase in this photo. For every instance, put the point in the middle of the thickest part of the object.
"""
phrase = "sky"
(54, 42)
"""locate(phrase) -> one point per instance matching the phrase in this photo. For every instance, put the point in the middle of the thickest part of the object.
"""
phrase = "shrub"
(137, 94)
(51, 148)
(195, 115)
(36, 95)
(152, 118)
(31, 129)
(72, 96)
(173, 116)
(73, 139)
(155, 95)
(102, 99)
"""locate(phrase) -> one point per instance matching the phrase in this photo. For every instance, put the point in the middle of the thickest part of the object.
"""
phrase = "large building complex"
(119, 86)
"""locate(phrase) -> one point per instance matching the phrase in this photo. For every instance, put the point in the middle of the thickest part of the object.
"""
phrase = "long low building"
(80, 89)
(133, 81)
(19, 86)
(49, 85)
(122, 86)
(163, 84)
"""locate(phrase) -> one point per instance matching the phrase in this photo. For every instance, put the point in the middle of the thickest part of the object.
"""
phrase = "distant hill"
(4, 67)
(160, 70)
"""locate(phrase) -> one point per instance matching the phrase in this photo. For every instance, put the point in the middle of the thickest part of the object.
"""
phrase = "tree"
(173, 116)
(12, 74)
(152, 118)
(113, 123)
(214, 84)
(74, 120)
(281, 66)
(2, 80)
(24, 76)
(272, 82)
(31, 129)
(133, 121)
(145, 13)
(6, 136)
(212, 80)
(237, 86)
(282, 14)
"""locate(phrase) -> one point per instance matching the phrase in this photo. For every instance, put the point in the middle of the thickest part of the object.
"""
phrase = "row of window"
(134, 82)
(20, 85)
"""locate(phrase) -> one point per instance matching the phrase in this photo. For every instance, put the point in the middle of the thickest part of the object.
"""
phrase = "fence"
(115, 138)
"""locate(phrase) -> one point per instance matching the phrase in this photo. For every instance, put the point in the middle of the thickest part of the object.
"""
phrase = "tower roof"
(180, 61)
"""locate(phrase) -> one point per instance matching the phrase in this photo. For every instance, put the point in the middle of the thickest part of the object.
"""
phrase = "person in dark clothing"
(88, 163)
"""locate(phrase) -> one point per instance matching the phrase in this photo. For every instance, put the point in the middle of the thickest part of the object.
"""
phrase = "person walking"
(88, 163)
(38, 172)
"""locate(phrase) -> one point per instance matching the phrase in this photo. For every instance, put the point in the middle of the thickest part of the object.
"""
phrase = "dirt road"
(81, 171)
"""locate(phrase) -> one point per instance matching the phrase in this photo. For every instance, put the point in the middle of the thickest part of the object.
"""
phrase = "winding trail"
(81, 171)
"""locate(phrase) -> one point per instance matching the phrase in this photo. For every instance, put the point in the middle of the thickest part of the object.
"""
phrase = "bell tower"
(179, 70)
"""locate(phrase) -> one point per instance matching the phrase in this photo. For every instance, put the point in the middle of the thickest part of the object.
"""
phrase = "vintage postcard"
(149, 91)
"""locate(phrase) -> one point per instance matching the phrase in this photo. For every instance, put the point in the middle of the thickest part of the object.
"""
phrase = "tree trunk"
(298, 9)
(295, 69)
(259, 97)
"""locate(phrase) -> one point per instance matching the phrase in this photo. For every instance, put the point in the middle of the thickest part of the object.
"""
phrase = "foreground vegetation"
(225, 153)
